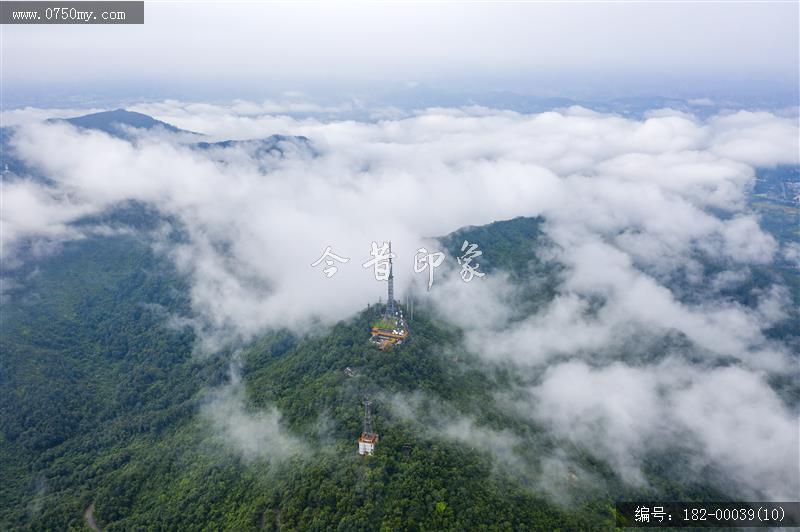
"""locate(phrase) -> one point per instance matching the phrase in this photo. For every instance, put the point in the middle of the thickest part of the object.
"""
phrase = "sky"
(229, 50)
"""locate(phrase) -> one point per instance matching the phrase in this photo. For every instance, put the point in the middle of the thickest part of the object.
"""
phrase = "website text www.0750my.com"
(67, 14)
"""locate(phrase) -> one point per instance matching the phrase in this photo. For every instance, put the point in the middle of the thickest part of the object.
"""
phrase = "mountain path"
(88, 515)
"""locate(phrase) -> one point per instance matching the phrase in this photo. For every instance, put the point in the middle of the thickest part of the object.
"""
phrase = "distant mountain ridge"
(260, 148)
(272, 139)
(114, 122)
(117, 124)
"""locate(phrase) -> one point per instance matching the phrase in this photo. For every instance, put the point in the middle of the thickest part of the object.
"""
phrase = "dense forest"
(105, 407)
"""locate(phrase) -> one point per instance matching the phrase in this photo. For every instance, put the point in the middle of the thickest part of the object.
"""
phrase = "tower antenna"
(367, 417)
(368, 439)
(390, 308)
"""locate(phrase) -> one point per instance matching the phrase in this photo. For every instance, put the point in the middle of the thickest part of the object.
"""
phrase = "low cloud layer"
(728, 416)
(629, 205)
(254, 435)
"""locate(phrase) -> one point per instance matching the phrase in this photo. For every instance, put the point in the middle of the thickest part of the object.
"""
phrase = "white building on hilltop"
(368, 439)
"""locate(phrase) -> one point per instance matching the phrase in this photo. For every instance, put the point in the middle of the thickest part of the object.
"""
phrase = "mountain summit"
(114, 122)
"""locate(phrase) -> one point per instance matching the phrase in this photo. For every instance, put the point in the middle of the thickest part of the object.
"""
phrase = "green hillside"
(105, 402)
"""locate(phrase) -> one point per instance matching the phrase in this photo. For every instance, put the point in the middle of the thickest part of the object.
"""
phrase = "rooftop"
(368, 438)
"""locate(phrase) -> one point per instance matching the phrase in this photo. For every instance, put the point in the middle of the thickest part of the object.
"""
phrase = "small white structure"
(368, 439)
(366, 443)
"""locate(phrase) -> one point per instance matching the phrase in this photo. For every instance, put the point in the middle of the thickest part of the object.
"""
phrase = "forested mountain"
(108, 406)
(112, 415)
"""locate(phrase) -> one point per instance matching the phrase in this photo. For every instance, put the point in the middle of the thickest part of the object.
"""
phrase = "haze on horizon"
(247, 50)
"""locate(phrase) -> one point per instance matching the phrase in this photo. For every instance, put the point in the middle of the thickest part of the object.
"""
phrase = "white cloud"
(753, 138)
(254, 434)
(729, 416)
(593, 176)
(627, 204)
